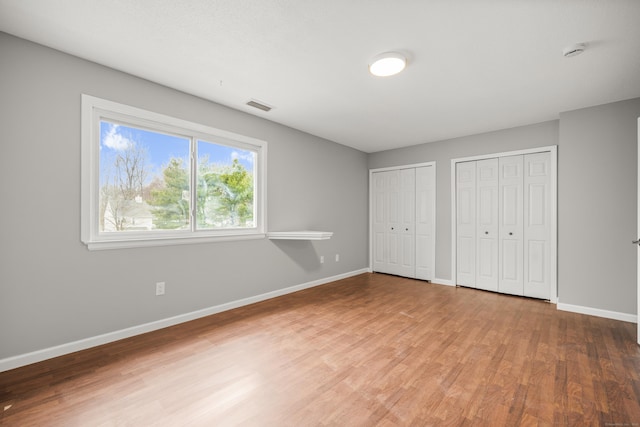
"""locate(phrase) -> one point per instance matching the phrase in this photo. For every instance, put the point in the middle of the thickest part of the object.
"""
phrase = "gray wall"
(597, 196)
(54, 291)
(538, 135)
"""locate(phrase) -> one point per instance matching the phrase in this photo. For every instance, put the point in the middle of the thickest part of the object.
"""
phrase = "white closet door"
(403, 222)
(466, 223)
(487, 224)
(379, 220)
(537, 225)
(392, 207)
(425, 222)
(511, 219)
(386, 222)
(407, 230)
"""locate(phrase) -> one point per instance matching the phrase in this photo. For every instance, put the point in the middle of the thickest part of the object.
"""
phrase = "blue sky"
(161, 147)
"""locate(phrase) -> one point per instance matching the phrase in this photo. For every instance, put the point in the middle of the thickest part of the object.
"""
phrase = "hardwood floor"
(368, 350)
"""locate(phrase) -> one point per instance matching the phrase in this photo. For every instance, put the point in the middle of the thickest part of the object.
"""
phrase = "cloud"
(247, 156)
(115, 140)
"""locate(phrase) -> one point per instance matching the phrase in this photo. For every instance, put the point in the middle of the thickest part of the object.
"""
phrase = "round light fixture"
(387, 64)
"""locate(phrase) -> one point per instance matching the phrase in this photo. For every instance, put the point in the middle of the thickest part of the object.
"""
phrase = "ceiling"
(474, 65)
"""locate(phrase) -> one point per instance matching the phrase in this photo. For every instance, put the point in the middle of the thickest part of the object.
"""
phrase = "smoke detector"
(573, 50)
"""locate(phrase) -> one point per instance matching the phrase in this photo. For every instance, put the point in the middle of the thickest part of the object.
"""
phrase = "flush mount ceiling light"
(573, 50)
(387, 64)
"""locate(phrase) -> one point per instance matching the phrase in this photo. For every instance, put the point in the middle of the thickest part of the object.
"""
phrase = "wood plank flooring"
(368, 350)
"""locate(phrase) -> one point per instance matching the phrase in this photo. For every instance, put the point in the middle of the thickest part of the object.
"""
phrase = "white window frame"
(96, 109)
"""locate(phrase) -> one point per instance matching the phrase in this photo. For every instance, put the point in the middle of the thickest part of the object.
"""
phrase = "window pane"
(144, 180)
(225, 180)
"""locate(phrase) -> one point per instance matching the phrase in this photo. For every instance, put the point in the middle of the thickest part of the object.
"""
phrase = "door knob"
(510, 234)
(635, 242)
(486, 232)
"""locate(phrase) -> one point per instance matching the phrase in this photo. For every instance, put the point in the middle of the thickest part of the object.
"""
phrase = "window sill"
(125, 244)
(300, 235)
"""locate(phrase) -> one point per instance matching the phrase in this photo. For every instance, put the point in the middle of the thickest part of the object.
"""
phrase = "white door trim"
(390, 168)
(553, 149)
(637, 237)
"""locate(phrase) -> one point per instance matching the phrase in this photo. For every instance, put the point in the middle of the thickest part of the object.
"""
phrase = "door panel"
(466, 223)
(487, 225)
(425, 222)
(511, 196)
(407, 225)
(537, 225)
(537, 265)
(379, 219)
(510, 226)
(485, 259)
(392, 207)
(466, 261)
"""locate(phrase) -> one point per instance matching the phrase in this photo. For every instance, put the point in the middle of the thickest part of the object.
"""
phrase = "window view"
(159, 178)
(144, 180)
(225, 181)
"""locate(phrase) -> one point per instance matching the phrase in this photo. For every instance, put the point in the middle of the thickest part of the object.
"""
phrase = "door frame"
(636, 237)
(553, 243)
(435, 198)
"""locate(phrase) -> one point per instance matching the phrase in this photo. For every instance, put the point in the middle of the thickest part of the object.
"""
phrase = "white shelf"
(300, 235)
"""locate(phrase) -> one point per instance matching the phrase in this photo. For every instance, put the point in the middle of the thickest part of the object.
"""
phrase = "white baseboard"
(446, 282)
(60, 350)
(625, 317)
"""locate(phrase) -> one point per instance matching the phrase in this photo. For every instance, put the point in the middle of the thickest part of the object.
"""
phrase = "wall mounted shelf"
(300, 235)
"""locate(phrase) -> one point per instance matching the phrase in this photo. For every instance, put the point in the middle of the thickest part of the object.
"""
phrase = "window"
(150, 179)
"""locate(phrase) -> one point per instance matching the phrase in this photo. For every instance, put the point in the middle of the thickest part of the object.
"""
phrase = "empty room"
(297, 213)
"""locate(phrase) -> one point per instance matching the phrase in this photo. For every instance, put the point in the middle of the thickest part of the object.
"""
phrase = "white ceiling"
(474, 65)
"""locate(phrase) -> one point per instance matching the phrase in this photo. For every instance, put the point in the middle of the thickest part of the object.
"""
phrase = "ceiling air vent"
(259, 105)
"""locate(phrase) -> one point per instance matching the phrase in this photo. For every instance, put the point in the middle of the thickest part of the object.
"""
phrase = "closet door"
(510, 239)
(392, 213)
(379, 220)
(487, 224)
(537, 225)
(393, 222)
(386, 222)
(425, 222)
(407, 231)
(466, 223)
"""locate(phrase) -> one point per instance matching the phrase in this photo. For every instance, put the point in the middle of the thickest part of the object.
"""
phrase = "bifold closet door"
(537, 225)
(407, 232)
(487, 224)
(386, 222)
(466, 223)
(503, 222)
(425, 222)
(379, 220)
(394, 222)
(511, 229)
(403, 221)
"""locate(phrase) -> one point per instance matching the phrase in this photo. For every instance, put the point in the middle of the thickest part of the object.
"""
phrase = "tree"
(229, 194)
(121, 193)
(171, 198)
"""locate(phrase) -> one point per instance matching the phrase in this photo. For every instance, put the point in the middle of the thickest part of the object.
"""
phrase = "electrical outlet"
(160, 288)
(337, 257)
(321, 259)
